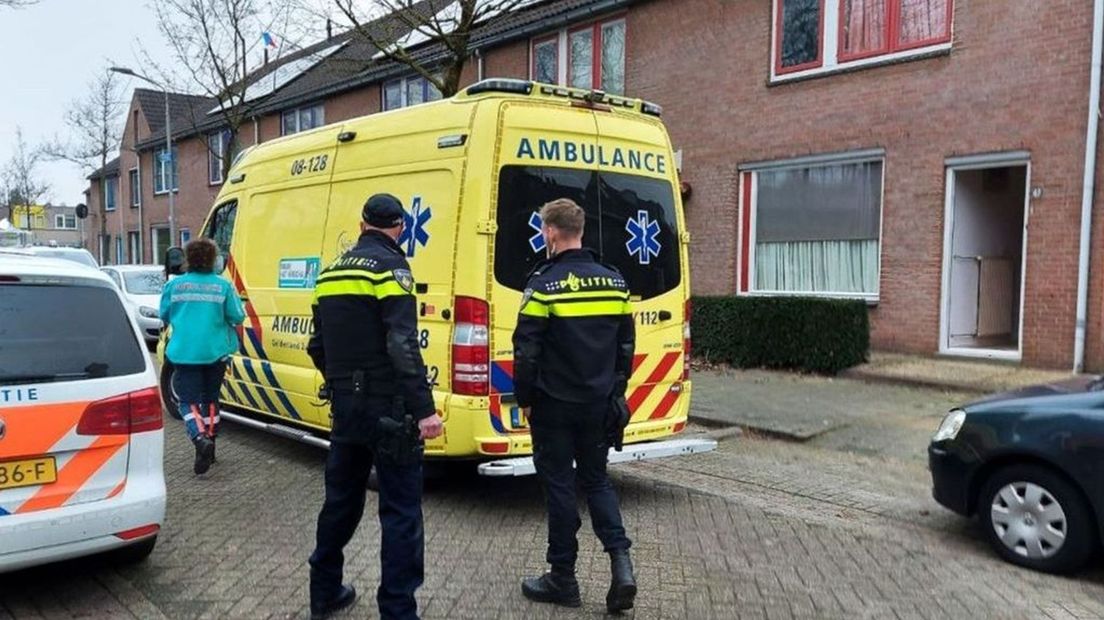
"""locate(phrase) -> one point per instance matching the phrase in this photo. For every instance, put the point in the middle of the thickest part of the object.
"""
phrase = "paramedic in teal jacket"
(203, 310)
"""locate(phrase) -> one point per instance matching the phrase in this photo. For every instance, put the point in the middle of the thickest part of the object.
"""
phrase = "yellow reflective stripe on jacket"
(589, 308)
(354, 282)
(588, 303)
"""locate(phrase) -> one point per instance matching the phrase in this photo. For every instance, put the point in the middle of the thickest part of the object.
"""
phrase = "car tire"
(169, 402)
(1035, 518)
(135, 553)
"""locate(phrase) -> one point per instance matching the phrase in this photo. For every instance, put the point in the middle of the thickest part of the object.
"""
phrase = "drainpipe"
(1087, 188)
(479, 65)
(256, 131)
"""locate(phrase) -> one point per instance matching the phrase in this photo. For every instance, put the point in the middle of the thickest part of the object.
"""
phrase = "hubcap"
(1029, 520)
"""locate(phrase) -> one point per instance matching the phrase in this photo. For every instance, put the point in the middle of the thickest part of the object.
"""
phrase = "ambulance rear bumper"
(523, 466)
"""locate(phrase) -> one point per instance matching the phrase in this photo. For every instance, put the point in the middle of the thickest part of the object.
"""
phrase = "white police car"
(81, 440)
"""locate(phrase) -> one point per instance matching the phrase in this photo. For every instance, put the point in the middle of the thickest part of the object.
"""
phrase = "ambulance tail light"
(686, 342)
(136, 412)
(471, 351)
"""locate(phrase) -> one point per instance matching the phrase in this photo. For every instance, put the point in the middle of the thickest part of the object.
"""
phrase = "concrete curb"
(950, 386)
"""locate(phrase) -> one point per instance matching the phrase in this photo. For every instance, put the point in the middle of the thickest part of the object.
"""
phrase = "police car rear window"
(631, 222)
(52, 333)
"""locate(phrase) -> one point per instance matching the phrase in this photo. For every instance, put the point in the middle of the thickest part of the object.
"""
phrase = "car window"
(87, 322)
(630, 221)
(144, 282)
(220, 229)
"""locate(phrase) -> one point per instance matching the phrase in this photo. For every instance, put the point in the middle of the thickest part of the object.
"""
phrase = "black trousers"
(402, 549)
(563, 432)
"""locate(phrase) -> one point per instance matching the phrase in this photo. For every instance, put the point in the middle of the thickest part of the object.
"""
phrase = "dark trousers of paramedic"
(563, 432)
(197, 388)
(402, 548)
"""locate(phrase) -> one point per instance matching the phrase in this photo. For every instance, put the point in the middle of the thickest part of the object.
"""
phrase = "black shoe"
(622, 589)
(344, 599)
(214, 459)
(205, 452)
(550, 588)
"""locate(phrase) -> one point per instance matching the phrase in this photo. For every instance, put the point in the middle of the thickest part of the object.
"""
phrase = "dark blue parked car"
(1030, 465)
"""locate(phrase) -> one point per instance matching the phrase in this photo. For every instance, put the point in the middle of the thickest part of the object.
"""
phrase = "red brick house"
(927, 156)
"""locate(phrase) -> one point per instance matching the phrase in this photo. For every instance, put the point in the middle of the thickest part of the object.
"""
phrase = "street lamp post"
(168, 154)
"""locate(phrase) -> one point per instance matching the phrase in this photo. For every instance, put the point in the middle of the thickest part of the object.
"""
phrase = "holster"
(399, 441)
(617, 418)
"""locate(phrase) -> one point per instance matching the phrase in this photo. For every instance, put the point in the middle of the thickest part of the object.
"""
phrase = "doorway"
(983, 262)
(159, 244)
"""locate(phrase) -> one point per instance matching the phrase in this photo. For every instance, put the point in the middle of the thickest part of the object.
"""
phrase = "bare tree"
(216, 46)
(95, 125)
(411, 23)
(19, 176)
(17, 4)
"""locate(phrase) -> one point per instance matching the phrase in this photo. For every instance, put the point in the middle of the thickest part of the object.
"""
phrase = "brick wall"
(1017, 78)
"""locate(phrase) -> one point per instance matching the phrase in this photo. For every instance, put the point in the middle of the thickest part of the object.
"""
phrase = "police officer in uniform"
(365, 343)
(573, 351)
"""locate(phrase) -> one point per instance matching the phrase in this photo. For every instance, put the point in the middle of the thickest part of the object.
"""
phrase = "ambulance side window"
(221, 230)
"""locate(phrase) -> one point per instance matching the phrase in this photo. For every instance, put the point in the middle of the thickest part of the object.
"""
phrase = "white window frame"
(833, 159)
(563, 37)
(404, 85)
(135, 197)
(217, 141)
(829, 47)
(166, 166)
(296, 114)
(60, 221)
(185, 232)
(108, 206)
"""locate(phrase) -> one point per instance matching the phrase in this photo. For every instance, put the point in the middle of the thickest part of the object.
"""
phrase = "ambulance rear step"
(523, 466)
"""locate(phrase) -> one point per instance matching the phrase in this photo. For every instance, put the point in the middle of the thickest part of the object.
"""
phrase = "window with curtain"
(817, 229)
(407, 92)
(218, 148)
(595, 56)
(867, 30)
(165, 173)
(302, 119)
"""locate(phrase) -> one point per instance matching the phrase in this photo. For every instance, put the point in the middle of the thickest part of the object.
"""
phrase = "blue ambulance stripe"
(257, 385)
(257, 346)
(267, 368)
(230, 392)
(248, 396)
(502, 382)
(496, 423)
(4, 513)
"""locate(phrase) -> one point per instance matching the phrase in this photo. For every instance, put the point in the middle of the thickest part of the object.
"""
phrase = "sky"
(52, 51)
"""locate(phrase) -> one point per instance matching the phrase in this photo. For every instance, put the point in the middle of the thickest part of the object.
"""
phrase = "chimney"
(329, 29)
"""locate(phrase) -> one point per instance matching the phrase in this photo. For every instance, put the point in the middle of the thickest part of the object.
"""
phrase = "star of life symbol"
(536, 241)
(414, 232)
(643, 238)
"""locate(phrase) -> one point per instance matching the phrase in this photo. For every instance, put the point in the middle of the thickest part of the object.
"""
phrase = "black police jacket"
(365, 319)
(575, 335)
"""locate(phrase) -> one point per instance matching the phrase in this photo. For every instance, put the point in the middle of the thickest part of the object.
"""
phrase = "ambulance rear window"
(52, 333)
(631, 222)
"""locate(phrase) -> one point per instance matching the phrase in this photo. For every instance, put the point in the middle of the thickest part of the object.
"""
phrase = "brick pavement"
(711, 541)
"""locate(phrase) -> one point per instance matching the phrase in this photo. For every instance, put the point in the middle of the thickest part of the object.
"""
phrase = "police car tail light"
(686, 342)
(471, 355)
(136, 412)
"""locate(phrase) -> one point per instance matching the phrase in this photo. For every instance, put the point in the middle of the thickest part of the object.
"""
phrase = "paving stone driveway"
(708, 544)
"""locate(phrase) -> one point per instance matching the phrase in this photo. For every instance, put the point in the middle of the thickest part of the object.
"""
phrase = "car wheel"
(133, 554)
(169, 400)
(1035, 518)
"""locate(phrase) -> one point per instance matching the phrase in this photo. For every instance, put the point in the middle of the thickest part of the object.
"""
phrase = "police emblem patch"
(405, 279)
(526, 296)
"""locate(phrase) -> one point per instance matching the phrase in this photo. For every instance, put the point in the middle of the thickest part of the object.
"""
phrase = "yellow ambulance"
(472, 172)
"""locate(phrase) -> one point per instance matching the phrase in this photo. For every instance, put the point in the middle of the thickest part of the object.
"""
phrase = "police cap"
(383, 211)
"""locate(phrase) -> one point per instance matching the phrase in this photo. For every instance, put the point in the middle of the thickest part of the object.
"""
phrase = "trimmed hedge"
(800, 333)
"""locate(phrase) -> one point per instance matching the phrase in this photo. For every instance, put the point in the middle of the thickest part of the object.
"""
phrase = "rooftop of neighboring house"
(110, 170)
(347, 61)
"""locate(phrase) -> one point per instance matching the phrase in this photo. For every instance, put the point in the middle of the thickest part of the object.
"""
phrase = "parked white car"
(76, 255)
(81, 430)
(141, 285)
